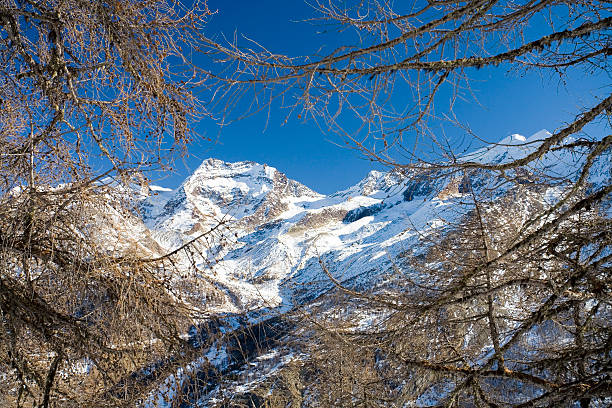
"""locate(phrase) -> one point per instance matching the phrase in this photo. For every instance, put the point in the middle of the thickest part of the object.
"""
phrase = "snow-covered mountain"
(284, 245)
(281, 230)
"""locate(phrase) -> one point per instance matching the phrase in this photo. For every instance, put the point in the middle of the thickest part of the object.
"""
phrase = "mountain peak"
(244, 190)
(517, 139)
(514, 138)
(540, 135)
(215, 168)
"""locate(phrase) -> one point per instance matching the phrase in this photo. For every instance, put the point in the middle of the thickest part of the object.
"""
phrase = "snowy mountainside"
(286, 234)
(247, 192)
(283, 230)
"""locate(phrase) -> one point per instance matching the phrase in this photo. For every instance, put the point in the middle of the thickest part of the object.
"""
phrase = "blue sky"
(509, 102)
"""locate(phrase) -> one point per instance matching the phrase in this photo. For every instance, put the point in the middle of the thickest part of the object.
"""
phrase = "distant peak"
(517, 139)
(216, 163)
(513, 139)
(541, 135)
(374, 174)
(212, 167)
(211, 161)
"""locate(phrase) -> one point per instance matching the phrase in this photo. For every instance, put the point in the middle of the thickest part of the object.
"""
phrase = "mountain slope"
(290, 245)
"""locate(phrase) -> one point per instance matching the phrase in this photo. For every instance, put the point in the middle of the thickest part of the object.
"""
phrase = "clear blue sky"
(509, 103)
